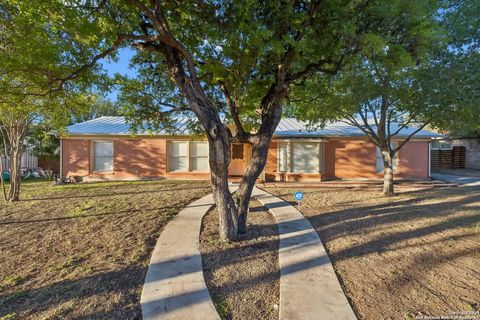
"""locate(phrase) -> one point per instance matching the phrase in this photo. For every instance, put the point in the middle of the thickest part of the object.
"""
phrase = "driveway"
(461, 177)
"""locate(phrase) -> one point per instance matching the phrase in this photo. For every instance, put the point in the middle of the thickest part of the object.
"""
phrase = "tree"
(459, 65)
(45, 145)
(13, 126)
(32, 57)
(396, 86)
(17, 116)
(220, 61)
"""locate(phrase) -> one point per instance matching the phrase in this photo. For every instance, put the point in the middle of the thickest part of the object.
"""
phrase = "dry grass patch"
(243, 277)
(397, 258)
(82, 251)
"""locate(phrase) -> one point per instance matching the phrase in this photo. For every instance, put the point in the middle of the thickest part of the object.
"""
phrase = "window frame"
(93, 156)
(188, 156)
(196, 157)
(289, 158)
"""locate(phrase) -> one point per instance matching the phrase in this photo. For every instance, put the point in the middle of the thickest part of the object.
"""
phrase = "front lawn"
(397, 258)
(81, 251)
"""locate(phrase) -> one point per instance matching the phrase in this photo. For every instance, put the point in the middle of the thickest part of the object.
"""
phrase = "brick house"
(105, 149)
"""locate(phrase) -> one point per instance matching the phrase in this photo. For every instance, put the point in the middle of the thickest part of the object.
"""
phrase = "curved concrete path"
(309, 288)
(174, 287)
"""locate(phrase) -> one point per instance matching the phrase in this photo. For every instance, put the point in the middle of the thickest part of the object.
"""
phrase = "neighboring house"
(104, 148)
(472, 151)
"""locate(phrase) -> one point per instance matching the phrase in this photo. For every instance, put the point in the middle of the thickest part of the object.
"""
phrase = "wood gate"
(448, 159)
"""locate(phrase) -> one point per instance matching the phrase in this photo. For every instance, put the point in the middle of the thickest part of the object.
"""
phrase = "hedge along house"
(105, 149)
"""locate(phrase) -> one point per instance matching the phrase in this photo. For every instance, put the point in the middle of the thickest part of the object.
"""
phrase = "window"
(237, 151)
(102, 156)
(379, 161)
(185, 156)
(178, 156)
(198, 156)
(304, 157)
(282, 157)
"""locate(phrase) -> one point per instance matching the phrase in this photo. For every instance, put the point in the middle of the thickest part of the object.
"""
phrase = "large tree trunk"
(1, 178)
(387, 173)
(260, 144)
(15, 172)
(254, 169)
(219, 159)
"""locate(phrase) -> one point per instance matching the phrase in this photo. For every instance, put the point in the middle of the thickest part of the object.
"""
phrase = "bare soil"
(416, 254)
(243, 277)
(82, 251)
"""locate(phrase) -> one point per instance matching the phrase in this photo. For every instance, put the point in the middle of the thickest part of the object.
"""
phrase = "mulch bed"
(243, 277)
(82, 251)
(410, 256)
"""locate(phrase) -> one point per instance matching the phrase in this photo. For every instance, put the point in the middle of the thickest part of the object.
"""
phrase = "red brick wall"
(75, 157)
(353, 159)
(137, 158)
(348, 159)
(132, 158)
(413, 160)
(140, 157)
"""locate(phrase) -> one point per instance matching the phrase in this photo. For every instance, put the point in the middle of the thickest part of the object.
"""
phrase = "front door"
(237, 163)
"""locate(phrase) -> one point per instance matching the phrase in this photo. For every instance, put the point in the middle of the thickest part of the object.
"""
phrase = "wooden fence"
(451, 158)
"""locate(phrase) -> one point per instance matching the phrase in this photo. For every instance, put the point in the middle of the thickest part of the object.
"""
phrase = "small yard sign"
(298, 196)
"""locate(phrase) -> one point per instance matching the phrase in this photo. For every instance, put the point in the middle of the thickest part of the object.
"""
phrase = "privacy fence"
(448, 158)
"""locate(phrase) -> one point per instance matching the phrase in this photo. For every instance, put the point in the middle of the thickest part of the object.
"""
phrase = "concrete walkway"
(460, 180)
(309, 288)
(174, 287)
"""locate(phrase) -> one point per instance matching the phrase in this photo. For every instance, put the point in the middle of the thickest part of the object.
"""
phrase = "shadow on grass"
(329, 226)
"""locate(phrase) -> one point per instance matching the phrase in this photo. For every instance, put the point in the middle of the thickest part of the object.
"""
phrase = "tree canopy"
(222, 62)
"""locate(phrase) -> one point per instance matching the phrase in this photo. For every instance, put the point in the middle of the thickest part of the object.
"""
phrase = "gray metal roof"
(288, 127)
(291, 127)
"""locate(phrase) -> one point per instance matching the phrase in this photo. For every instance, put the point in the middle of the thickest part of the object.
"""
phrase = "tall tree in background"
(31, 58)
(45, 146)
(458, 67)
(396, 87)
(221, 62)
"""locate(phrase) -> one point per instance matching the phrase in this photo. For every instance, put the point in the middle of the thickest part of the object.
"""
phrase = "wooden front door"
(237, 163)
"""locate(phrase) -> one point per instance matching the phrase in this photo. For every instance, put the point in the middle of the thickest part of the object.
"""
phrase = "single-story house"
(104, 148)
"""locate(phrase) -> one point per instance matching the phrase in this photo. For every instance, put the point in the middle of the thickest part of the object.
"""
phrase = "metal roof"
(288, 127)
(118, 126)
(291, 127)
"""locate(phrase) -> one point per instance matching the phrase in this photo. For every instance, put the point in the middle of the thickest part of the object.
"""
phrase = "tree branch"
(410, 137)
(232, 107)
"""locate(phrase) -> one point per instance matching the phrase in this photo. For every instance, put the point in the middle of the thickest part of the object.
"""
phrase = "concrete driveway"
(461, 177)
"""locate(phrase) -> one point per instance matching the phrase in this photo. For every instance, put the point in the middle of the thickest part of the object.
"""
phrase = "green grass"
(11, 281)
(10, 316)
(222, 307)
